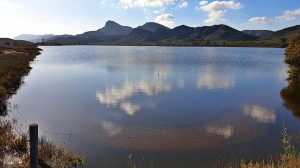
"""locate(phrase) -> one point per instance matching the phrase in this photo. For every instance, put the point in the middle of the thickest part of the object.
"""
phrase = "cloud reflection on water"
(225, 131)
(212, 79)
(130, 108)
(120, 97)
(110, 128)
(260, 114)
(163, 70)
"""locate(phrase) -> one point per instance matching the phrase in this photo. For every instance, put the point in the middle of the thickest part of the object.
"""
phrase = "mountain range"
(34, 38)
(156, 34)
(259, 33)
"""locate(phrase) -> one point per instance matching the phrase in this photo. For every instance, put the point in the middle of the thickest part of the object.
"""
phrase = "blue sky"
(77, 16)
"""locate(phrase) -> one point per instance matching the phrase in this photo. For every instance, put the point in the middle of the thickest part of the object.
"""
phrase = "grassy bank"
(14, 150)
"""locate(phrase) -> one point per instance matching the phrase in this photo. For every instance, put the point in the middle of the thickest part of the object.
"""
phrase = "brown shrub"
(292, 52)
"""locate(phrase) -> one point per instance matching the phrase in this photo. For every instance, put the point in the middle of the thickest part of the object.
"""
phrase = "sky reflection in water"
(171, 98)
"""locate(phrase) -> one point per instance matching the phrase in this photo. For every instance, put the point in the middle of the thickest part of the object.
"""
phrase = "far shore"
(238, 44)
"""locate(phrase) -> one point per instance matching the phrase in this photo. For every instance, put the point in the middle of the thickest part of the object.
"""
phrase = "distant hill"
(187, 34)
(34, 38)
(259, 33)
(284, 33)
(78, 39)
(152, 26)
(155, 34)
(226, 33)
(137, 35)
(112, 31)
(111, 28)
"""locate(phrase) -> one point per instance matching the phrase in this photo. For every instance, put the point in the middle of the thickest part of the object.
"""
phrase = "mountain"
(284, 33)
(34, 38)
(112, 31)
(226, 33)
(259, 33)
(155, 34)
(184, 33)
(137, 35)
(111, 28)
(152, 26)
(79, 39)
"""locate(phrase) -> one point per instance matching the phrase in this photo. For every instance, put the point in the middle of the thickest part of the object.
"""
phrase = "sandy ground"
(8, 52)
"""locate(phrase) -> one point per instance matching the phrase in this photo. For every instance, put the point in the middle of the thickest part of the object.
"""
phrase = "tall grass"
(290, 158)
(12, 68)
(14, 150)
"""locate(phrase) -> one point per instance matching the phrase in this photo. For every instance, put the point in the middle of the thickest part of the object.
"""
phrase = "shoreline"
(14, 65)
(149, 45)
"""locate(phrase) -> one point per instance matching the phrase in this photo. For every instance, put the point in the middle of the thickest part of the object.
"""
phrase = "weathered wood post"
(34, 158)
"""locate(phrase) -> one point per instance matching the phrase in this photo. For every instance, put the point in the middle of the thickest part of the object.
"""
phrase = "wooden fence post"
(34, 158)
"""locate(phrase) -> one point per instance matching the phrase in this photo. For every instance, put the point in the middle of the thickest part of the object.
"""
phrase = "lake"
(160, 106)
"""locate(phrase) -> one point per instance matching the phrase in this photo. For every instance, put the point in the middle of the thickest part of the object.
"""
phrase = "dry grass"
(13, 67)
(14, 150)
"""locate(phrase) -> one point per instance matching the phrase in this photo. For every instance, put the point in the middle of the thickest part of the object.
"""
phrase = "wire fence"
(218, 142)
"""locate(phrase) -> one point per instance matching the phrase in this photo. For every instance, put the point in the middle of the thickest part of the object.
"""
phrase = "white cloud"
(220, 5)
(166, 19)
(217, 9)
(259, 20)
(201, 3)
(103, 2)
(158, 11)
(9, 4)
(293, 12)
(143, 3)
(288, 15)
(285, 18)
(183, 5)
(215, 17)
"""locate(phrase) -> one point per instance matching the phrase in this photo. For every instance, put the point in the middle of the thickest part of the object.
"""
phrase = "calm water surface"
(167, 106)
